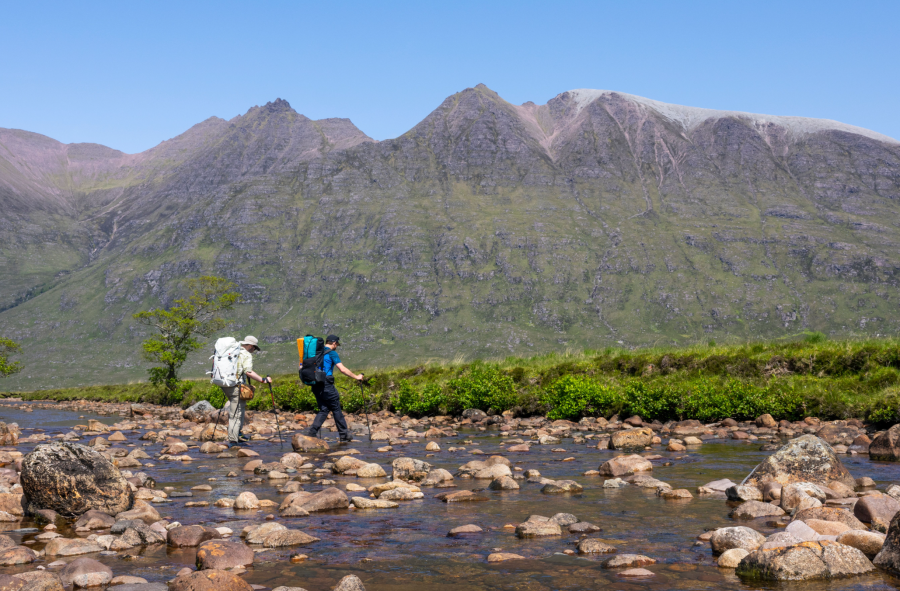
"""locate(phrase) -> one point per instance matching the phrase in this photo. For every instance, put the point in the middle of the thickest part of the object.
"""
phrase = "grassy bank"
(813, 377)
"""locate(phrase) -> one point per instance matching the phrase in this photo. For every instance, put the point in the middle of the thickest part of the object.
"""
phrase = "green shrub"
(483, 387)
(572, 397)
(410, 401)
(652, 401)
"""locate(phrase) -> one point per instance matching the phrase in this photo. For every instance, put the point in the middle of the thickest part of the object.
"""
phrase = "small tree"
(199, 314)
(7, 367)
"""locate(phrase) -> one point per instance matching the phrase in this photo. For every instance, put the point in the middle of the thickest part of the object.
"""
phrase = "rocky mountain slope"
(598, 219)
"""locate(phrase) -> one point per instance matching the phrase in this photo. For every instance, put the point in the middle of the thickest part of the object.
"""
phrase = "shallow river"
(408, 548)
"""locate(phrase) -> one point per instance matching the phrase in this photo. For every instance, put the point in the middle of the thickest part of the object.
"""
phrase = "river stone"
(17, 555)
(11, 583)
(827, 528)
(804, 459)
(258, 534)
(743, 493)
(9, 434)
(874, 508)
(140, 534)
(886, 446)
(805, 561)
(437, 477)
(731, 558)
(305, 444)
(829, 514)
(493, 472)
(41, 580)
(562, 486)
(793, 494)
(364, 503)
(564, 519)
(85, 572)
(801, 531)
(6, 542)
(347, 463)
(140, 586)
(72, 479)
(727, 538)
(625, 465)
(460, 496)
(783, 538)
(465, 529)
(583, 527)
(869, 543)
(537, 529)
(246, 500)
(302, 503)
(219, 554)
(350, 583)
(503, 557)
(400, 494)
(772, 491)
(70, 547)
(410, 469)
(889, 557)
(594, 546)
(288, 537)
(371, 471)
(718, 485)
(754, 509)
(94, 519)
(141, 510)
(631, 438)
(189, 536)
(627, 560)
(209, 580)
(504, 483)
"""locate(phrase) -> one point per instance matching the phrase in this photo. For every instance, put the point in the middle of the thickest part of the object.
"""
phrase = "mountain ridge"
(488, 227)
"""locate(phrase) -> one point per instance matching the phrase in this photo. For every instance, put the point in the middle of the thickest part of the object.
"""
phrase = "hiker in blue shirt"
(327, 396)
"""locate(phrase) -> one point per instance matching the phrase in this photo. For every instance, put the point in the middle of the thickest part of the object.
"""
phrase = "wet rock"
(631, 438)
(594, 546)
(754, 509)
(669, 493)
(303, 444)
(141, 586)
(889, 557)
(625, 465)
(10, 583)
(801, 531)
(209, 580)
(726, 538)
(731, 558)
(793, 494)
(219, 555)
(561, 486)
(719, 486)
(492, 472)
(302, 503)
(189, 536)
(627, 561)
(140, 510)
(288, 537)
(583, 527)
(246, 501)
(805, 561)
(410, 469)
(874, 509)
(437, 477)
(829, 514)
(70, 547)
(538, 529)
(198, 412)
(504, 483)
(743, 493)
(71, 479)
(503, 557)
(346, 463)
(869, 543)
(432, 446)
(9, 434)
(371, 471)
(212, 448)
(364, 503)
(140, 534)
(827, 528)
(804, 459)
(17, 555)
(85, 572)
(886, 446)
(461, 496)
(766, 421)
(564, 519)
(772, 491)
(474, 414)
(465, 529)
(93, 519)
(350, 583)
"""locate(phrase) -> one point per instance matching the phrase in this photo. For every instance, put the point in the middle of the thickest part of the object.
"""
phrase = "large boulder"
(631, 438)
(754, 509)
(869, 543)
(804, 459)
(41, 580)
(305, 444)
(889, 556)
(410, 469)
(220, 555)
(190, 536)
(72, 479)
(199, 412)
(85, 572)
(726, 538)
(625, 465)
(886, 446)
(803, 562)
(878, 510)
(210, 580)
(829, 514)
(302, 503)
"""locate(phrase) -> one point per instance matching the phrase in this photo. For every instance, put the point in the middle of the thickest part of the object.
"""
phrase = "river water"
(408, 548)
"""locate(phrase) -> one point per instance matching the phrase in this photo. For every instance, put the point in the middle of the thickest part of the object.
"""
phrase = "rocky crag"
(598, 219)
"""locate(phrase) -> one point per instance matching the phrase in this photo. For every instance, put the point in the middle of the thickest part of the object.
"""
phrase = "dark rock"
(140, 534)
(94, 519)
(10, 583)
(889, 557)
(191, 535)
(876, 508)
(303, 444)
(886, 446)
(804, 459)
(71, 480)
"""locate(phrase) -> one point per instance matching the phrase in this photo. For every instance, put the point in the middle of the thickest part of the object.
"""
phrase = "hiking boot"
(345, 440)
(243, 439)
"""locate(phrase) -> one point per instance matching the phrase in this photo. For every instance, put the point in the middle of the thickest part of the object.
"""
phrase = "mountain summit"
(597, 219)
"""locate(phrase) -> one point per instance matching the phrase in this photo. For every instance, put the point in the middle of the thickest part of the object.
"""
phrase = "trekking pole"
(272, 394)
(368, 424)
(218, 416)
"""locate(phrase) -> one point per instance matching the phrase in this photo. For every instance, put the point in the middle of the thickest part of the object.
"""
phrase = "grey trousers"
(236, 410)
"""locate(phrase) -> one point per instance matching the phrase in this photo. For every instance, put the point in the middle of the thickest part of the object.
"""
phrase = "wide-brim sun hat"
(251, 340)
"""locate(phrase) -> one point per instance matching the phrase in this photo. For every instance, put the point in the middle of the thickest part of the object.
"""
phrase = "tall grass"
(814, 376)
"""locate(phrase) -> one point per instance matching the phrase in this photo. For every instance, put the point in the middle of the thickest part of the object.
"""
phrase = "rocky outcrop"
(804, 459)
(886, 446)
(803, 562)
(72, 479)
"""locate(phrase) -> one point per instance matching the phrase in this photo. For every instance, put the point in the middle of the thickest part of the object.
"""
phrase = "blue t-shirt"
(329, 360)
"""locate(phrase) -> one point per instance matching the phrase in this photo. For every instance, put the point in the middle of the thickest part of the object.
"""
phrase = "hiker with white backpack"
(232, 371)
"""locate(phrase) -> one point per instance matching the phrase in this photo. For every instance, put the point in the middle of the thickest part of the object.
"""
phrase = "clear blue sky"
(131, 74)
